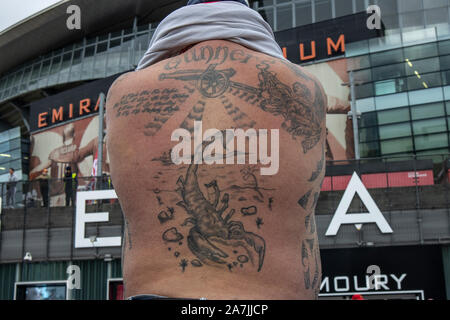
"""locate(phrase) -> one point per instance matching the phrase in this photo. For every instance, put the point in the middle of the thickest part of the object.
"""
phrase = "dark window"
(431, 141)
(360, 5)
(303, 13)
(369, 149)
(323, 10)
(392, 116)
(364, 91)
(444, 47)
(431, 110)
(396, 145)
(426, 81)
(445, 62)
(409, 5)
(423, 66)
(436, 16)
(395, 130)
(368, 134)
(422, 51)
(388, 7)
(429, 126)
(386, 57)
(284, 17)
(368, 119)
(427, 4)
(412, 19)
(343, 7)
(388, 72)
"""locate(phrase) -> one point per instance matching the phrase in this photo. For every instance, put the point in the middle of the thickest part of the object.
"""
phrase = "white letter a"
(341, 217)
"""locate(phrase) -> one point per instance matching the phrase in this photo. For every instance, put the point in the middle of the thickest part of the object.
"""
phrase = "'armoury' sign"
(340, 217)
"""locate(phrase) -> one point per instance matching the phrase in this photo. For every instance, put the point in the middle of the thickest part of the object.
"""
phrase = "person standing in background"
(11, 189)
(43, 185)
(70, 186)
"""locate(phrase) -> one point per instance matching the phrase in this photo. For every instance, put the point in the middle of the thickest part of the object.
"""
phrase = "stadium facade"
(396, 78)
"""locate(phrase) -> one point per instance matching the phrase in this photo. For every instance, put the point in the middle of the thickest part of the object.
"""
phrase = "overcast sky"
(12, 11)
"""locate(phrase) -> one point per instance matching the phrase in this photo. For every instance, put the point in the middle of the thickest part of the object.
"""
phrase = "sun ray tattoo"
(302, 113)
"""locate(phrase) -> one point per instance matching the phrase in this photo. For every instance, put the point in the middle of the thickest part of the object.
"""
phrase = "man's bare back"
(219, 231)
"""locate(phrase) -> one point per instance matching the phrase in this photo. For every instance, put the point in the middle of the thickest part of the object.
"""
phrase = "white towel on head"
(227, 20)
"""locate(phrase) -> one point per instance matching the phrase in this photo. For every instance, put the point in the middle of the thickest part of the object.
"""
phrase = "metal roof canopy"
(46, 30)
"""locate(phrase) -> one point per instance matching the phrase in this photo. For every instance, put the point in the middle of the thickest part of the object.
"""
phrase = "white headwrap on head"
(227, 20)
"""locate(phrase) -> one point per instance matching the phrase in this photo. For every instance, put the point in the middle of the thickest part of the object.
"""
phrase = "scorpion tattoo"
(210, 227)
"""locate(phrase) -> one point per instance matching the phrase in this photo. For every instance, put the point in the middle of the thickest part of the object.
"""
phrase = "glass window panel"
(436, 16)
(395, 115)
(425, 96)
(263, 3)
(412, 19)
(360, 5)
(100, 65)
(445, 79)
(447, 107)
(88, 62)
(388, 72)
(384, 87)
(410, 5)
(66, 60)
(369, 149)
(10, 155)
(431, 141)
(390, 22)
(395, 130)
(444, 47)
(428, 80)
(115, 43)
(323, 10)
(303, 13)
(113, 63)
(427, 4)
(422, 51)
(368, 134)
(364, 91)
(53, 76)
(45, 68)
(126, 39)
(445, 62)
(116, 34)
(365, 105)
(144, 27)
(4, 146)
(35, 72)
(396, 145)
(267, 15)
(423, 66)
(101, 47)
(368, 119)
(388, 7)
(284, 17)
(343, 7)
(91, 40)
(363, 75)
(426, 111)
(391, 101)
(90, 51)
(75, 71)
(429, 126)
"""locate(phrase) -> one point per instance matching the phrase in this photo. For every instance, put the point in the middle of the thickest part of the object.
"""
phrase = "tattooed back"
(201, 227)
